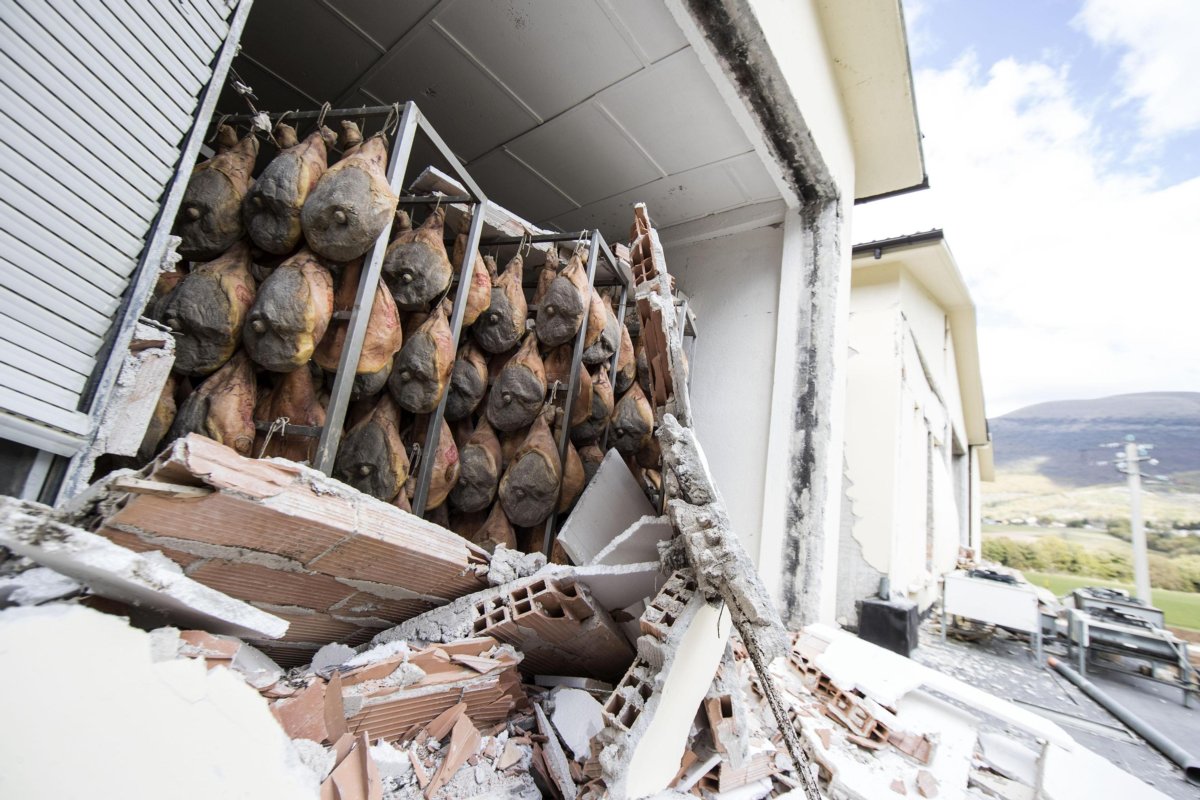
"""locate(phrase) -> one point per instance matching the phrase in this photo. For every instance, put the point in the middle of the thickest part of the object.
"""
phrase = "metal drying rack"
(412, 120)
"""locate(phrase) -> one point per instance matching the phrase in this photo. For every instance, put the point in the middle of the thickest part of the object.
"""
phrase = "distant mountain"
(1061, 439)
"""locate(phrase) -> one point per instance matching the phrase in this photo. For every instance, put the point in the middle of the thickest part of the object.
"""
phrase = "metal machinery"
(1107, 629)
(994, 598)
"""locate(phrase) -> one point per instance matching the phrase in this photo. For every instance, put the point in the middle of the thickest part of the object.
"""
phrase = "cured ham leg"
(207, 310)
(564, 305)
(382, 340)
(626, 363)
(468, 382)
(602, 408)
(352, 202)
(632, 422)
(503, 324)
(480, 461)
(210, 215)
(416, 267)
(444, 474)
(272, 207)
(520, 389)
(294, 396)
(495, 531)
(479, 294)
(424, 365)
(222, 408)
(290, 314)
(371, 457)
(530, 485)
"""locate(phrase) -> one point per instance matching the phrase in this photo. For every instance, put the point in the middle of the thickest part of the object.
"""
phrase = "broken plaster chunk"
(166, 712)
(609, 505)
(36, 586)
(329, 656)
(511, 565)
(392, 763)
(577, 717)
(927, 785)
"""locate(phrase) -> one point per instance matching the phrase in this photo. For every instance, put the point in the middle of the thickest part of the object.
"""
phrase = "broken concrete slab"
(112, 571)
(555, 758)
(338, 564)
(166, 712)
(577, 717)
(648, 716)
(611, 503)
(638, 544)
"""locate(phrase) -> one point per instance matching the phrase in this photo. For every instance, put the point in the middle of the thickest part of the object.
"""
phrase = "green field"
(1089, 540)
(1182, 609)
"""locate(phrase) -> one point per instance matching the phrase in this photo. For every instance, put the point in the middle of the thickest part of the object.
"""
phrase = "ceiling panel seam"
(737, 181)
(504, 87)
(273, 74)
(603, 109)
(352, 25)
(541, 177)
(625, 32)
(504, 145)
(718, 162)
(373, 70)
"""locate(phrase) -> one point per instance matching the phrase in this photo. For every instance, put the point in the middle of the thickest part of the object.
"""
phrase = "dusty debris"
(558, 627)
(349, 567)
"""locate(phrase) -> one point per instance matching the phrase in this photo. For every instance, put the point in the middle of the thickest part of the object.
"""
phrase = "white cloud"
(1160, 64)
(1086, 279)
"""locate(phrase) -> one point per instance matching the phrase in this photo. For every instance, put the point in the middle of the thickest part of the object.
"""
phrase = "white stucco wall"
(873, 408)
(733, 283)
(899, 465)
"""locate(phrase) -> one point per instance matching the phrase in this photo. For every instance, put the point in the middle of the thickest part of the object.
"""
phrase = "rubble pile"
(382, 655)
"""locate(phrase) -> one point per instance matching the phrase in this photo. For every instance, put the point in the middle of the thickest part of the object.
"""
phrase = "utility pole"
(1129, 462)
(1141, 564)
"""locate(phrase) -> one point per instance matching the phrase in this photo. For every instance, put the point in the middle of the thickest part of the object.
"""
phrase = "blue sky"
(1062, 141)
(1046, 30)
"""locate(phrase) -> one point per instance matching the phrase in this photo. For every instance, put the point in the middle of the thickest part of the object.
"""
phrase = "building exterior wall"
(914, 502)
(734, 361)
(872, 439)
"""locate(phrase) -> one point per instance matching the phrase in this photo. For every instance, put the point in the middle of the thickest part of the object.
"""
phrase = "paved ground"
(1005, 667)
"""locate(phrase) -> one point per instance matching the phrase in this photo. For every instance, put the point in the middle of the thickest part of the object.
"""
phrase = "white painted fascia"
(868, 45)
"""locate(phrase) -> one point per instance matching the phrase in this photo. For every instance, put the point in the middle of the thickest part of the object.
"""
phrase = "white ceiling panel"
(674, 199)
(584, 150)
(566, 111)
(308, 45)
(676, 114)
(552, 53)
(508, 182)
(385, 22)
(752, 177)
(470, 112)
(651, 26)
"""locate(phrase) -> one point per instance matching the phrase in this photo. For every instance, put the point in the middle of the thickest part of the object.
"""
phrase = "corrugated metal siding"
(95, 101)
